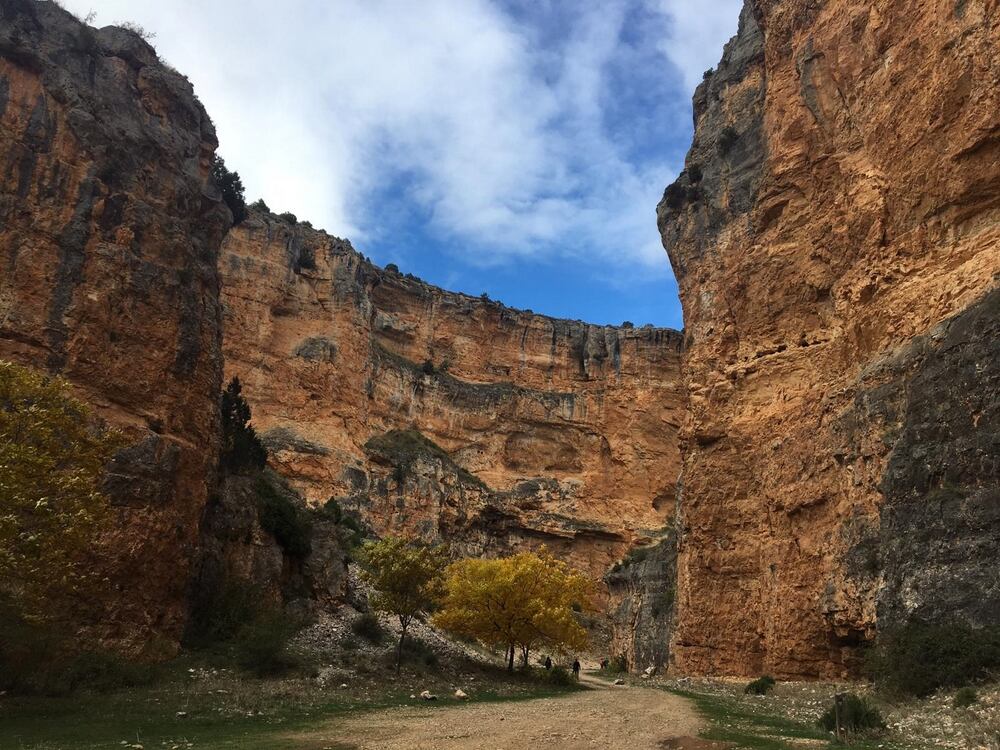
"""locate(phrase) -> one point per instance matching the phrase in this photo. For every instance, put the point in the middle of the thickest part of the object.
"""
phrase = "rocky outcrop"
(260, 543)
(642, 589)
(835, 237)
(446, 416)
(110, 231)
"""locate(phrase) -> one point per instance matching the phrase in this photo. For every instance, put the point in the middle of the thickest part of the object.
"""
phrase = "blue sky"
(516, 147)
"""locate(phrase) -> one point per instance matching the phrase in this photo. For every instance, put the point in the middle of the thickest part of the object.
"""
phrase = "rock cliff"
(836, 238)
(110, 233)
(446, 416)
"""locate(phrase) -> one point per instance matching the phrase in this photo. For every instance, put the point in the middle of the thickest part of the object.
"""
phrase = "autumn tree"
(517, 602)
(406, 579)
(52, 455)
(241, 448)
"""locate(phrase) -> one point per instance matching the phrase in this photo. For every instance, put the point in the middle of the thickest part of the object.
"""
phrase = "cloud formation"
(500, 129)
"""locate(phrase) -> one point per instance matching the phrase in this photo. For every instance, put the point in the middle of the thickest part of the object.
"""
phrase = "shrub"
(761, 686)
(283, 520)
(857, 715)
(367, 626)
(558, 675)
(919, 658)
(262, 645)
(306, 259)
(414, 652)
(964, 698)
(232, 189)
(628, 324)
(289, 217)
(427, 367)
(392, 268)
(260, 205)
(104, 671)
(674, 195)
(727, 139)
(694, 174)
(219, 615)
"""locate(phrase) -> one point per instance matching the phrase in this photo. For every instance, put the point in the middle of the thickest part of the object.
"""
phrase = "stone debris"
(427, 695)
(461, 695)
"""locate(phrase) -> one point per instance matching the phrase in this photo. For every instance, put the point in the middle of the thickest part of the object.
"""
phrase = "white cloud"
(501, 144)
(696, 33)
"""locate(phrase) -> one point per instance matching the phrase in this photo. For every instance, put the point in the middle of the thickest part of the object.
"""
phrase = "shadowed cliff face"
(446, 416)
(108, 244)
(835, 236)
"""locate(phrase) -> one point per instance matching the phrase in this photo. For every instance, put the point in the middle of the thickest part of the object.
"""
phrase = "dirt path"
(606, 717)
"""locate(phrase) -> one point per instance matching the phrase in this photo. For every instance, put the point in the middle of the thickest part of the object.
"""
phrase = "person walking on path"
(576, 669)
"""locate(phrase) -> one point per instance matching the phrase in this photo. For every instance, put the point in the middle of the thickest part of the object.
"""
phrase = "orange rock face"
(108, 239)
(836, 228)
(540, 431)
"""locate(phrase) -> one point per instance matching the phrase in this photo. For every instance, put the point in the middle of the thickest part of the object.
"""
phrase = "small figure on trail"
(548, 662)
(604, 663)
(576, 668)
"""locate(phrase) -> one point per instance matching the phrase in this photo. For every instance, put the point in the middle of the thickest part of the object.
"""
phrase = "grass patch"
(229, 710)
(737, 722)
(760, 686)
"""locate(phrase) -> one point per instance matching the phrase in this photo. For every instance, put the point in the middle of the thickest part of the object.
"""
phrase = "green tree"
(517, 602)
(232, 189)
(407, 580)
(241, 448)
(52, 457)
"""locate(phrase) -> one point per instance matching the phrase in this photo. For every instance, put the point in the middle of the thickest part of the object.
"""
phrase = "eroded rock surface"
(109, 231)
(449, 417)
(836, 235)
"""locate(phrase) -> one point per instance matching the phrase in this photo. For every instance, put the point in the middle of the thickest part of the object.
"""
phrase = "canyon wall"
(836, 238)
(110, 232)
(448, 417)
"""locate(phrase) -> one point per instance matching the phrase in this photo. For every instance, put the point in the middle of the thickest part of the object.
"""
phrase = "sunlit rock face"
(109, 233)
(448, 417)
(836, 237)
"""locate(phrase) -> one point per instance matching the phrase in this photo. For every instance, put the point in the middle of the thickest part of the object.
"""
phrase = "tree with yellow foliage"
(52, 456)
(516, 602)
(407, 580)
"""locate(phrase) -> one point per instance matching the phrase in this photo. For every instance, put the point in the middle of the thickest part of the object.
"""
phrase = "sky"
(513, 147)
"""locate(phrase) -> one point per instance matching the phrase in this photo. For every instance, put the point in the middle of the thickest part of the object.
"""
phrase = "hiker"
(604, 664)
(576, 668)
(548, 662)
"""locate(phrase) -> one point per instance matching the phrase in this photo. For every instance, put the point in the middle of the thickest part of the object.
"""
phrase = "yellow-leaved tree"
(517, 602)
(407, 580)
(52, 455)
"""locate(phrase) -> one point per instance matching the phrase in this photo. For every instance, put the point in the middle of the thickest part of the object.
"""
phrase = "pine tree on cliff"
(241, 448)
(232, 188)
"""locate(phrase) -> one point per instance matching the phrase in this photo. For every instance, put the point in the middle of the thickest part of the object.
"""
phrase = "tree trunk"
(510, 658)
(524, 656)
(399, 648)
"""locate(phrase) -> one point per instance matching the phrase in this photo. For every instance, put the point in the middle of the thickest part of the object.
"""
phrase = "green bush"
(920, 658)
(415, 652)
(262, 645)
(964, 698)
(760, 686)
(857, 715)
(559, 676)
(367, 626)
(103, 671)
(282, 519)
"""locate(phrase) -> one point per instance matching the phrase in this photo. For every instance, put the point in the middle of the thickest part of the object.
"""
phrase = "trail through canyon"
(605, 717)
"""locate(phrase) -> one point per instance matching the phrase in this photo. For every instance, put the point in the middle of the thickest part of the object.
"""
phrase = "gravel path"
(606, 717)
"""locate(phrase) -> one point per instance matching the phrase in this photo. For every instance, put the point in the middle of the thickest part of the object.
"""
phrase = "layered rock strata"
(836, 238)
(444, 416)
(109, 232)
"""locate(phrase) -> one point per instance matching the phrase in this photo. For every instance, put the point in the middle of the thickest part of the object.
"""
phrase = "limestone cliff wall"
(447, 416)
(836, 237)
(109, 231)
